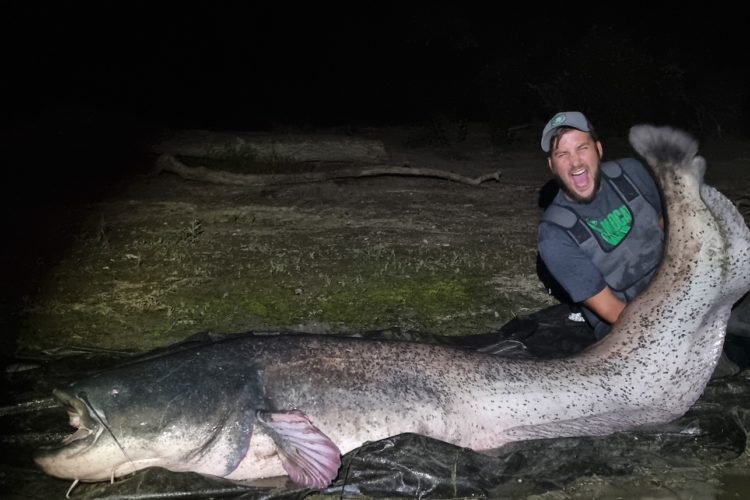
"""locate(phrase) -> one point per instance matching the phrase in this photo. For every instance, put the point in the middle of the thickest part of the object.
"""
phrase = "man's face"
(575, 164)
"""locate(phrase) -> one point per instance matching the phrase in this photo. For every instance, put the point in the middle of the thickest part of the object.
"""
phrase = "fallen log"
(168, 163)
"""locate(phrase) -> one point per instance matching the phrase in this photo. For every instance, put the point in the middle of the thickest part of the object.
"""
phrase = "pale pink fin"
(308, 456)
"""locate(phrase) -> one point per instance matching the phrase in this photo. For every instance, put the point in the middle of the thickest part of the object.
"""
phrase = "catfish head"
(92, 452)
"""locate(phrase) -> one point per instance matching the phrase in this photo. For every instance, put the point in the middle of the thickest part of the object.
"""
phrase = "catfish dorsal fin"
(307, 455)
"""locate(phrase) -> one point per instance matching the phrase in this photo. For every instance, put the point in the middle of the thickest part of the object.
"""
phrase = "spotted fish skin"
(208, 409)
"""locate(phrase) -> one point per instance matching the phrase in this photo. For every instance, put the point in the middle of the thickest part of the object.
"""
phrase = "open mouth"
(580, 178)
(80, 417)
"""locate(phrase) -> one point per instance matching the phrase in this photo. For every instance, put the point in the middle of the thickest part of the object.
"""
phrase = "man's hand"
(606, 304)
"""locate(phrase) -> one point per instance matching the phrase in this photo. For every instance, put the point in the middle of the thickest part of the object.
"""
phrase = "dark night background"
(87, 86)
(91, 78)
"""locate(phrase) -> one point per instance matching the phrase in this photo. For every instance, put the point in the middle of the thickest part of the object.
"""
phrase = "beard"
(577, 197)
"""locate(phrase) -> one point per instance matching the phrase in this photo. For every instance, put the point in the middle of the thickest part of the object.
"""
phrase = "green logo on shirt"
(615, 226)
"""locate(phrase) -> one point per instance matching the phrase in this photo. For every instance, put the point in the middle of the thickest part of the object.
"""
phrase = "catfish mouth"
(82, 455)
(80, 415)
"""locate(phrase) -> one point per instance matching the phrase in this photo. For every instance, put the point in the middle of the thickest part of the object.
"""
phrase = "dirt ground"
(163, 258)
(159, 258)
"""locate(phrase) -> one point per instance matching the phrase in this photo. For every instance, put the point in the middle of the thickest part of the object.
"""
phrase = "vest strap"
(622, 183)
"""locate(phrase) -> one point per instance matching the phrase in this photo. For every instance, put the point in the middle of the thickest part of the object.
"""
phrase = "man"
(602, 236)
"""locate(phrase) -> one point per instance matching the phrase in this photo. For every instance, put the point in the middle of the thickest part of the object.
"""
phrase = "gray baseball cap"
(573, 119)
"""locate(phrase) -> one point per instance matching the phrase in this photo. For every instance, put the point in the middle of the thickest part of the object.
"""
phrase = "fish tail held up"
(667, 146)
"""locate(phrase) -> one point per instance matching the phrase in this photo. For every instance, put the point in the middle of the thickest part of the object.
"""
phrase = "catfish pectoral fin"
(307, 455)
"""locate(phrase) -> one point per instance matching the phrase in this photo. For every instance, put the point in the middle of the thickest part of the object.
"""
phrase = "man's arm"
(606, 304)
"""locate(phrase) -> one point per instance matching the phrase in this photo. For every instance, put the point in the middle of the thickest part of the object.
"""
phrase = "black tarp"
(407, 465)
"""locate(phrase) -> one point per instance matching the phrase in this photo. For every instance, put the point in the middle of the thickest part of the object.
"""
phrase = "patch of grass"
(422, 300)
(166, 271)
